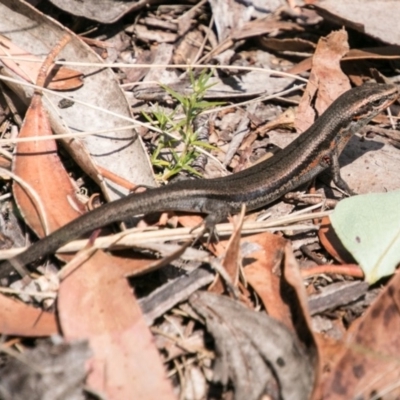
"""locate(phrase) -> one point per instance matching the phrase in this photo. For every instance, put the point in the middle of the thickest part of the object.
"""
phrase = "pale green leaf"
(369, 227)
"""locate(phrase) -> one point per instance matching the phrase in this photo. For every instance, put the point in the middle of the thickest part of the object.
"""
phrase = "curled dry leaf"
(232, 257)
(332, 243)
(254, 350)
(327, 81)
(272, 271)
(264, 274)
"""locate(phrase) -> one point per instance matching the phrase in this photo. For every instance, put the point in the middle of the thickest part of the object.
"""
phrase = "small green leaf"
(203, 105)
(369, 227)
(175, 155)
(191, 170)
(190, 105)
(205, 145)
(174, 94)
(147, 116)
(213, 104)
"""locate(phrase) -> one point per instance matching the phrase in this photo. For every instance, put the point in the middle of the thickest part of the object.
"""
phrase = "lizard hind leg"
(208, 227)
(218, 213)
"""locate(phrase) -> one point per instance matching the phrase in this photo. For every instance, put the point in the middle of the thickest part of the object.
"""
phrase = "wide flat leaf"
(38, 164)
(96, 304)
(120, 152)
(367, 367)
(369, 228)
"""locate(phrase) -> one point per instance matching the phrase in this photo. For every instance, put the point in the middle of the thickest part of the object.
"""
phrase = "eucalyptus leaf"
(369, 227)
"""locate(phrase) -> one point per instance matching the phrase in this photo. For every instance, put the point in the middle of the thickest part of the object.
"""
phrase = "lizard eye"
(376, 103)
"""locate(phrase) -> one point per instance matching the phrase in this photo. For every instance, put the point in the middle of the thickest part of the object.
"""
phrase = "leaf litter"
(340, 352)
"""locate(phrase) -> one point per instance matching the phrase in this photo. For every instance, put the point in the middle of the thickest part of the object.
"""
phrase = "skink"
(315, 150)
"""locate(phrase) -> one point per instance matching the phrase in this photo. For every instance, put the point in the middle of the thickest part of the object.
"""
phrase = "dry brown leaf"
(335, 248)
(44, 206)
(331, 242)
(327, 82)
(263, 26)
(295, 44)
(264, 274)
(37, 163)
(274, 274)
(353, 270)
(369, 53)
(118, 335)
(373, 53)
(255, 351)
(296, 298)
(20, 319)
(368, 366)
(284, 120)
(96, 303)
(189, 47)
(329, 349)
(62, 78)
(232, 257)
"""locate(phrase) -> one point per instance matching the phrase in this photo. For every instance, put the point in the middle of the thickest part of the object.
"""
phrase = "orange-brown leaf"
(37, 163)
(96, 303)
(20, 319)
(232, 257)
(369, 363)
(327, 81)
(264, 274)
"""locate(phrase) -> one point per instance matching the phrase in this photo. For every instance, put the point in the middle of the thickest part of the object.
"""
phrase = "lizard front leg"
(331, 162)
